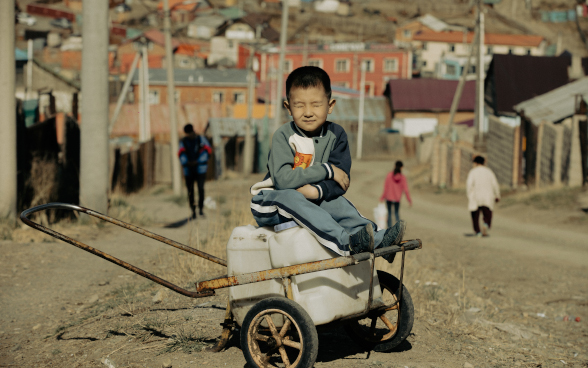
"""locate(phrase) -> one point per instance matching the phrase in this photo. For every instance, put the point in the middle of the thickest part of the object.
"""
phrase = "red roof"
(429, 95)
(489, 38)
(155, 36)
(187, 5)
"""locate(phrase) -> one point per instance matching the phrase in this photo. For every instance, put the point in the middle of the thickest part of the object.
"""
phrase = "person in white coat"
(483, 191)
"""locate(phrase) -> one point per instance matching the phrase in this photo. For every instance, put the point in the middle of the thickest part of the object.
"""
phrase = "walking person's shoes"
(485, 229)
(362, 241)
(193, 217)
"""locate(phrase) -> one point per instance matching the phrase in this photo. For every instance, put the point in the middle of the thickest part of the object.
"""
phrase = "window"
(368, 65)
(184, 63)
(342, 65)
(450, 69)
(239, 97)
(177, 96)
(315, 62)
(510, 51)
(451, 47)
(391, 65)
(424, 46)
(153, 97)
(287, 66)
(489, 50)
(472, 69)
(528, 51)
(407, 33)
(369, 89)
(424, 63)
(218, 96)
(230, 44)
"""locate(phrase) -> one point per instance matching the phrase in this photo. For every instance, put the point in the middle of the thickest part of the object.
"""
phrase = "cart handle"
(65, 206)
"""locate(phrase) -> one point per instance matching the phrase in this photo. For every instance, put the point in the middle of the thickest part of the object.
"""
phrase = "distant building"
(426, 23)
(205, 26)
(182, 11)
(342, 61)
(417, 106)
(226, 87)
(432, 47)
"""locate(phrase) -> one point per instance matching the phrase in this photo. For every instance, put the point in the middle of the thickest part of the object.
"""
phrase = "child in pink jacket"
(394, 186)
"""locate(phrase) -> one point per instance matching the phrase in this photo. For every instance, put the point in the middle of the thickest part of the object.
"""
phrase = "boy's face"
(309, 107)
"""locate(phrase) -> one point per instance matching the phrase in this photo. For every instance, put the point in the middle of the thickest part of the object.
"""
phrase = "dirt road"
(482, 302)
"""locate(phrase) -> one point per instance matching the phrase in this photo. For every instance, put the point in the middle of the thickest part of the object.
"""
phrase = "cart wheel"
(277, 332)
(383, 331)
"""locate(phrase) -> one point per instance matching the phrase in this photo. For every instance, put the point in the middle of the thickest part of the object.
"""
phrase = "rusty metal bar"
(64, 206)
(87, 211)
(399, 300)
(279, 273)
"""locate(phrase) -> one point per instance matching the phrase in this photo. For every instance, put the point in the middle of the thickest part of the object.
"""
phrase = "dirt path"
(490, 302)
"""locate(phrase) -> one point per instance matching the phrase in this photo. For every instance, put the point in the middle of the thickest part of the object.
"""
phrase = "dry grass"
(43, 182)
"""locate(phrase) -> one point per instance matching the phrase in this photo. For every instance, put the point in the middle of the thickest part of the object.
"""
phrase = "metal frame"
(207, 288)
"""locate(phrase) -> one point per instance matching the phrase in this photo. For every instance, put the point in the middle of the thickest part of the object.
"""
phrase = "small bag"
(381, 216)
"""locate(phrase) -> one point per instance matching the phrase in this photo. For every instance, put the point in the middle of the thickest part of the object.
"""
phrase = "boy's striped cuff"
(320, 190)
(330, 172)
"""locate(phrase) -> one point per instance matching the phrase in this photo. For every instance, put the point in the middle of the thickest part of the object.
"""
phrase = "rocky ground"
(479, 302)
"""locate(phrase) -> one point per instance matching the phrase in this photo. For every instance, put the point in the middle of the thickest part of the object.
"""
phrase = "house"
(512, 79)
(431, 47)
(417, 106)
(342, 61)
(225, 46)
(191, 54)
(550, 127)
(226, 87)
(205, 27)
(184, 11)
(426, 23)
(155, 41)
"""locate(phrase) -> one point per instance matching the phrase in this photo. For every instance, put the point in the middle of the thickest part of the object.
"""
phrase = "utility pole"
(361, 108)
(29, 90)
(94, 130)
(283, 36)
(123, 92)
(171, 102)
(480, 73)
(8, 189)
(460, 85)
(145, 128)
(249, 144)
(305, 48)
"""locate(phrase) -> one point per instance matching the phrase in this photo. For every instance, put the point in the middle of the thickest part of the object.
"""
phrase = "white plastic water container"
(326, 295)
(248, 251)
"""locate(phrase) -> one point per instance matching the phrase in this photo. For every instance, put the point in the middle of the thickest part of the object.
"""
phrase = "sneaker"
(362, 241)
(484, 229)
(478, 235)
(394, 234)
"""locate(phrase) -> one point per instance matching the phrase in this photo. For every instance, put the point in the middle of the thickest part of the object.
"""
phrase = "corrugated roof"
(198, 77)
(429, 94)
(489, 38)
(348, 110)
(197, 114)
(554, 105)
(434, 23)
(512, 79)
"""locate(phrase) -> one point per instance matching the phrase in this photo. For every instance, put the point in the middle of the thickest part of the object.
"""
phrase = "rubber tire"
(404, 325)
(307, 329)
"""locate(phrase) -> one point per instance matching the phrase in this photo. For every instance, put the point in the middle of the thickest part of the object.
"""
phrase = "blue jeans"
(396, 207)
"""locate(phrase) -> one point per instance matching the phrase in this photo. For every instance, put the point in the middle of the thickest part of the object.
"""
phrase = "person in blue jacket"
(194, 153)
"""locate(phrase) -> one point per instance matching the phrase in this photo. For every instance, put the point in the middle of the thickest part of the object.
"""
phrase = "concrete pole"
(460, 85)
(361, 108)
(94, 128)
(123, 93)
(29, 70)
(171, 101)
(8, 190)
(480, 69)
(145, 129)
(283, 37)
(248, 147)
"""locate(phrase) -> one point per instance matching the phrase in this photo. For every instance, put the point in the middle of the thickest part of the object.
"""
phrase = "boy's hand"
(308, 191)
(341, 177)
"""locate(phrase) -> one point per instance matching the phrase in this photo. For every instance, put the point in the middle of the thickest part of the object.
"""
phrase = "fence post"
(557, 157)
(538, 155)
(516, 157)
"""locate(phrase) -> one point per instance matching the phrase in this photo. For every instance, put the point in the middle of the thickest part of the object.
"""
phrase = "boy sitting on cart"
(308, 172)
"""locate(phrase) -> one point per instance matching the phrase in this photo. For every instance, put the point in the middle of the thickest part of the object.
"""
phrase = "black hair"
(479, 160)
(306, 77)
(188, 128)
(397, 167)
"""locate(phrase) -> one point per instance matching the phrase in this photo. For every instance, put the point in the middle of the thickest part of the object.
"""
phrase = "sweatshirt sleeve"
(339, 157)
(281, 161)
(182, 154)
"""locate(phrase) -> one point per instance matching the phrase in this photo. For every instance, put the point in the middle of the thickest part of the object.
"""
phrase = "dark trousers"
(486, 214)
(200, 179)
(396, 207)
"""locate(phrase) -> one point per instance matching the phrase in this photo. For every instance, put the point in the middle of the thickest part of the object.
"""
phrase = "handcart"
(278, 309)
